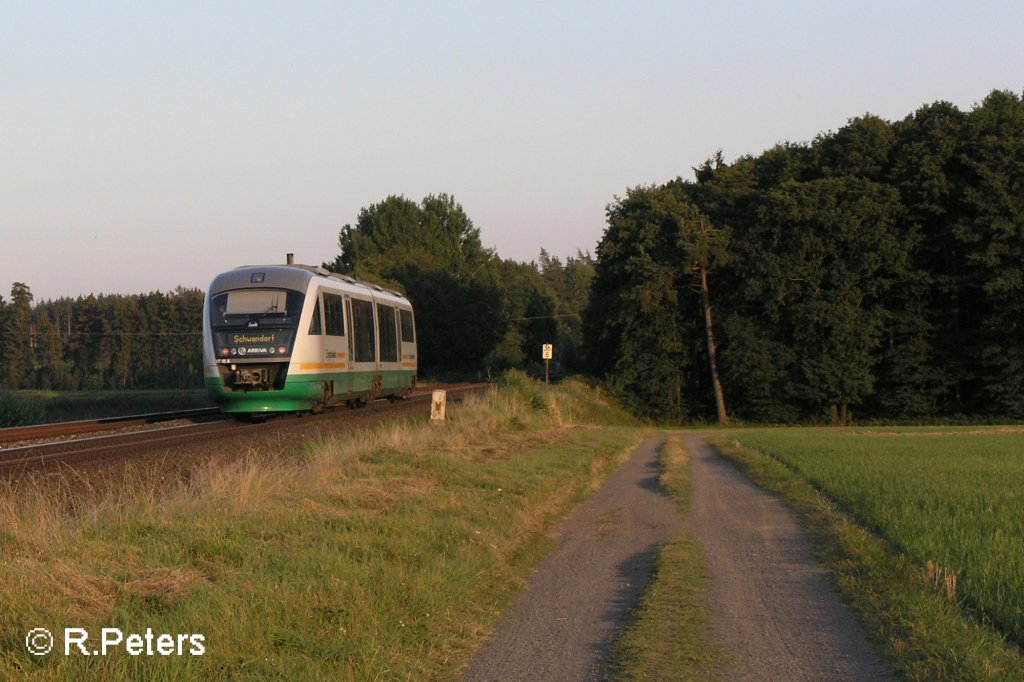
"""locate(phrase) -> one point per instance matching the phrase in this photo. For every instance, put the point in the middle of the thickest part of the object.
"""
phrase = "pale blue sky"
(146, 146)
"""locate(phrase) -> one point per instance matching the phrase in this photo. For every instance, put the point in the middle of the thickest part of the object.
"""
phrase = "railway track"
(75, 442)
(66, 429)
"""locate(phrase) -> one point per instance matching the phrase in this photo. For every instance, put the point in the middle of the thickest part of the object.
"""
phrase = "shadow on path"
(576, 601)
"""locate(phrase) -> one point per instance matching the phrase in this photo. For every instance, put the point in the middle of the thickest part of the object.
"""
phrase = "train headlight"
(282, 350)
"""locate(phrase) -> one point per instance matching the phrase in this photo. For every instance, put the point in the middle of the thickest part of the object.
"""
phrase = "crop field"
(950, 499)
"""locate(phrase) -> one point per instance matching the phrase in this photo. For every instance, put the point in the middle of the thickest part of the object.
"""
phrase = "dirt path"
(561, 626)
(773, 607)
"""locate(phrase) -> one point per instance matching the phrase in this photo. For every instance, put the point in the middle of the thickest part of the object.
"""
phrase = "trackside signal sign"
(547, 352)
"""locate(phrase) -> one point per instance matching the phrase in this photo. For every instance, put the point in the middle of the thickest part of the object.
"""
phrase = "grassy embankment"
(667, 639)
(23, 408)
(386, 555)
(922, 528)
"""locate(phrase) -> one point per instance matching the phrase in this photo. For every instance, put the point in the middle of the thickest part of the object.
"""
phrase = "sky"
(147, 145)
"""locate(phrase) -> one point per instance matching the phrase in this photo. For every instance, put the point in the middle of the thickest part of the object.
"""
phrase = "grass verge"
(927, 635)
(386, 555)
(667, 638)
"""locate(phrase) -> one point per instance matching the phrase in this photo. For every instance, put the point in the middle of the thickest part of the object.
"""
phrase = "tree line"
(101, 342)
(476, 313)
(877, 269)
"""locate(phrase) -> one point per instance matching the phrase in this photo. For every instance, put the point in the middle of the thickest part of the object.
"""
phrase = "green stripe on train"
(304, 391)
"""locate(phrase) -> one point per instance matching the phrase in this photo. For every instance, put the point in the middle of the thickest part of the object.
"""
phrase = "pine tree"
(18, 354)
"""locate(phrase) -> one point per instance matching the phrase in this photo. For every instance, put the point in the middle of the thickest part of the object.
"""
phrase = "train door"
(407, 340)
(390, 354)
(407, 334)
(352, 334)
(313, 345)
(336, 356)
(364, 365)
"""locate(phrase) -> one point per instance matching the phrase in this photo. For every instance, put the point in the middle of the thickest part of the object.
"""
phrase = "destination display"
(232, 346)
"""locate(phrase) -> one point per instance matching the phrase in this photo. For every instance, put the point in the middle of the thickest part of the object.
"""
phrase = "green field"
(949, 500)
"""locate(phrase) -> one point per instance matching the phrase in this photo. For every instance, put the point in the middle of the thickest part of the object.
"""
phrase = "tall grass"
(384, 555)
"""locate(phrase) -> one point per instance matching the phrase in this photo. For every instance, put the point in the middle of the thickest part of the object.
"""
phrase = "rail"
(59, 429)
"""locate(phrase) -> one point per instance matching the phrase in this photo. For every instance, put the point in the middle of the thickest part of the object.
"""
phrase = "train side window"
(408, 331)
(363, 330)
(334, 315)
(315, 328)
(388, 334)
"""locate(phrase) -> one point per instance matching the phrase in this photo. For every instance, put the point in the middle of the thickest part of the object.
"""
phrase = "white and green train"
(287, 338)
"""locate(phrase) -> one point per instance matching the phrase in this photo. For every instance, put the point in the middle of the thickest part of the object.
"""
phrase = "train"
(298, 338)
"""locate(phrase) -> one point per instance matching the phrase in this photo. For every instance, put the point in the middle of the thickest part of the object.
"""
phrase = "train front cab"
(252, 324)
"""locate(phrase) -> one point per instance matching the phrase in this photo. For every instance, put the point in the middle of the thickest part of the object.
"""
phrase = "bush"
(518, 384)
(20, 410)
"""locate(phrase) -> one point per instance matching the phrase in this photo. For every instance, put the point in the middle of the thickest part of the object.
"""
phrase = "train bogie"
(284, 338)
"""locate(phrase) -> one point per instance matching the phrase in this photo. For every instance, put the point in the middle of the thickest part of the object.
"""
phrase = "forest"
(876, 271)
(101, 342)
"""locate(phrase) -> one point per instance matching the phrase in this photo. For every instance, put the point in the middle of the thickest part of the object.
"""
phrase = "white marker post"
(547, 352)
(437, 406)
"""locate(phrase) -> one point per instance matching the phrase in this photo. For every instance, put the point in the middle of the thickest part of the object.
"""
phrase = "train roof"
(291, 276)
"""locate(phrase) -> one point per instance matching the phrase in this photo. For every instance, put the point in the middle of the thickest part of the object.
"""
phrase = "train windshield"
(243, 306)
(256, 302)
